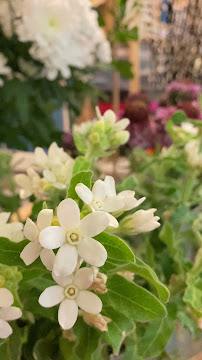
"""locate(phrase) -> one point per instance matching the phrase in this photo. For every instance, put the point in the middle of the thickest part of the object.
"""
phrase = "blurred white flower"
(189, 128)
(34, 249)
(74, 238)
(193, 154)
(30, 184)
(12, 231)
(7, 312)
(61, 36)
(57, 166)
(5, 70)
(139, 222)
(71, 293)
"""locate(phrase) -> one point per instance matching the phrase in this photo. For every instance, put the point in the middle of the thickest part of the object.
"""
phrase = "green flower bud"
(94, 138)
(99, 127)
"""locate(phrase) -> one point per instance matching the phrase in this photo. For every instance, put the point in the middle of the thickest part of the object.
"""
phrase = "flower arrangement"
(73, 277)
(48, 51)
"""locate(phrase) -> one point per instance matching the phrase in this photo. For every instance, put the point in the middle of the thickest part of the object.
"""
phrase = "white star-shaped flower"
(12, 231)
(34, 249)
(74, 238)
(71, 293)
(30, 184)
(7, 312)
(103, 197)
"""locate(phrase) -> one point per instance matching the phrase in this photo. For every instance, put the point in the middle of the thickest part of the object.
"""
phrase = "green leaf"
(128, 184)
(67, 349)
(188, 323)
(11, 349)
(44, 350)
(132, 300)
(118, 328)
(130, 352)
(167, 236)
(142, 269)
(80, 164)
(118, 251)
(84, 177)
(87, 340)
(124, 67)
(10, 252)
(155, 338)
(193, 295)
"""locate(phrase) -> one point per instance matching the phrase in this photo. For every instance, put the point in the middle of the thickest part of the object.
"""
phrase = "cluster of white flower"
(63, 34)
(57, 169)
(5, 70)
(72, 233)
(12, 231)
(7, 312)
(193, 153)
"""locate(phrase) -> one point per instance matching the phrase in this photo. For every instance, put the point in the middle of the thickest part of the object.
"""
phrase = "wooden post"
(134, 56)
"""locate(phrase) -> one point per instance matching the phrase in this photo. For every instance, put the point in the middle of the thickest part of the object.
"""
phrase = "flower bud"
(94, 138)
(98, 321)
(120, 138)
(69, 335)
(128, 275)
(139, 222)
(99, 281)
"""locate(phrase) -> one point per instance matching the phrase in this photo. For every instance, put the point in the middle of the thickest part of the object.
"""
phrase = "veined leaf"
(81, 177)
(132, 300)
(80, 164)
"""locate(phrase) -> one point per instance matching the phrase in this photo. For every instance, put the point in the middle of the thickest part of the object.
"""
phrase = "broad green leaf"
(10, 252)
(193, 296)
(44, 349)
(80, 164)
(130, 352)
(124, 67)
(118, 251)
(142, 269)
(188, 323)
(87, 340)
(11, 349)
(84, 177)
(155, 338)
(118, 328)
(67, 349)
(132, 300)
(167, 236)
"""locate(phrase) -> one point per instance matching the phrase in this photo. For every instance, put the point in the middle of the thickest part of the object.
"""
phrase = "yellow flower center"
(71, 291)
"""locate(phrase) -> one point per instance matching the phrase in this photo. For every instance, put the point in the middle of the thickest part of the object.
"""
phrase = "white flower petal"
(41, 157)
(67, 313)
(84, 193)
(112, 204)
(65, 260)
(99, 190)
(30, 252)
(52, 296)
(44, 218)
(94, 223)
(6, 297)
(5, 329)
(31, 231)
(129, 200)
(89, 302)
(112, 221)
(24, 182)
(47, 257)
(10, 313)
(111, 188)
(92, 252)
(83, 278)
(49, 176)
(52, 237)
(68, 214)
(122, 124)
(4, 216)
(62, 280)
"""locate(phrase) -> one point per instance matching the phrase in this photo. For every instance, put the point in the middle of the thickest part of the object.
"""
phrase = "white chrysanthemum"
(71, 293)
(34, 249)
(30, 184)
(193, 154)
(74, 238)
(7, 312)
(5, 70)
(139, 222)
(12, 231)
(57, 165)
(61, 36)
